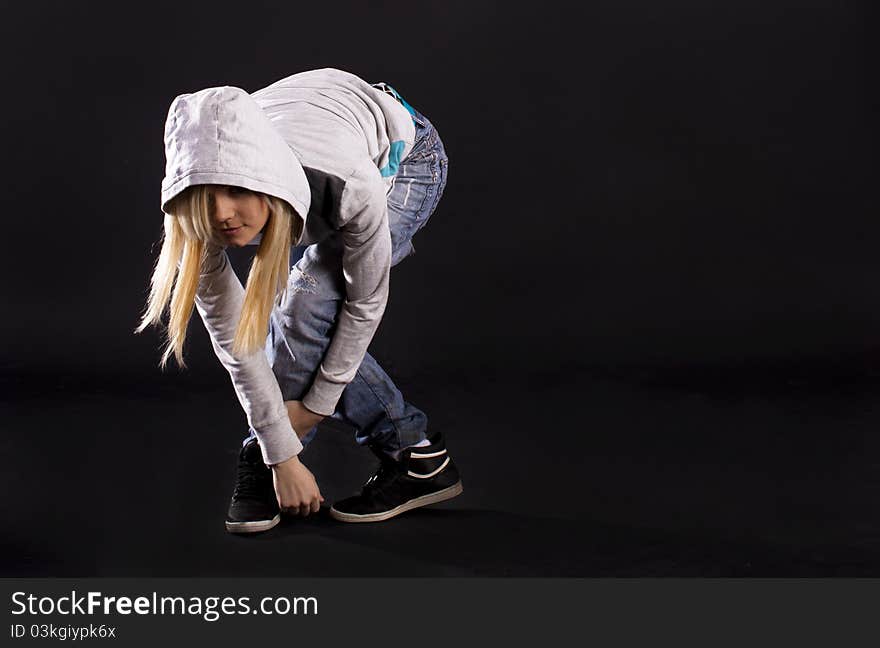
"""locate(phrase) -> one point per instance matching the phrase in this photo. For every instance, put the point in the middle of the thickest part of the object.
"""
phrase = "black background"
(644, 312)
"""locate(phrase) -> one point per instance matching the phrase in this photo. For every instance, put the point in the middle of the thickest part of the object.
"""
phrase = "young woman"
(346, 172)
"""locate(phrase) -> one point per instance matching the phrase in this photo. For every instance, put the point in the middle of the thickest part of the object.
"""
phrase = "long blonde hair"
(188, 237)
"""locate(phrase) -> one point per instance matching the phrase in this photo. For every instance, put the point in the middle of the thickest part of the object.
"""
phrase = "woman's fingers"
(304, 509)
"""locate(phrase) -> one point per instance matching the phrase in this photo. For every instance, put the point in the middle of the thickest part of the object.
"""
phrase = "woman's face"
(237, 214)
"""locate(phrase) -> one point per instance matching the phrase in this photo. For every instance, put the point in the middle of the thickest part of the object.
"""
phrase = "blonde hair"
(188, 235)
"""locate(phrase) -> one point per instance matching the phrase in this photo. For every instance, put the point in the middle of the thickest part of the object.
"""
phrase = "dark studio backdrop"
(645, 313)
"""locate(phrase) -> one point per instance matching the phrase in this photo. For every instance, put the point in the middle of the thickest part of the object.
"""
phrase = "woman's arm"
(219, 301)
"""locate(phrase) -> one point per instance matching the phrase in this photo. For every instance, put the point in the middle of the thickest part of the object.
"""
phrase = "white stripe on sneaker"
(429, 475)
(428, 455)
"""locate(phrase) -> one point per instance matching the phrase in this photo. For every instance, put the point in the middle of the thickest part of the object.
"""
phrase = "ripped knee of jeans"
(302, 282)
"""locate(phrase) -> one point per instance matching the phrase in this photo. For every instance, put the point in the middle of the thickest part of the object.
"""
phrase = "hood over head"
(221, 136)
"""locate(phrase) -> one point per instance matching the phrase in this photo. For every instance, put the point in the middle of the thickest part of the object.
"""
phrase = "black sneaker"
(422, 476)
(254, 506)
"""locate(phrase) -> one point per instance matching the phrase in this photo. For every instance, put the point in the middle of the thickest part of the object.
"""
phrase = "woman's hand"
(296, 488)
(301, 418)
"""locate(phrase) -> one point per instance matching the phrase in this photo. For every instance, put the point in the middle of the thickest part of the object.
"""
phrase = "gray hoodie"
(329, 144)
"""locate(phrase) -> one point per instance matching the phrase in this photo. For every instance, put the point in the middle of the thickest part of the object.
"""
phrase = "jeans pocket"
(423, 149)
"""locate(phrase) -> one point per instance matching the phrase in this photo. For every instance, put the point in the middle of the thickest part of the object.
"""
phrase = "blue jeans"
(301, 327)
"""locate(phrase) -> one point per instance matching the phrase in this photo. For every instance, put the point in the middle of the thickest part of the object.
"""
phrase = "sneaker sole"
(252, 527)
(424, 500)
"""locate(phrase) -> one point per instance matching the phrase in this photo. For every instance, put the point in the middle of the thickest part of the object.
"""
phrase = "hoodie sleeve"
(219, 300)
(366, 264)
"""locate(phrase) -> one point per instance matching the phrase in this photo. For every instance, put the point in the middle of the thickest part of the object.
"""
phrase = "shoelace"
(387, 473)
(250, 481)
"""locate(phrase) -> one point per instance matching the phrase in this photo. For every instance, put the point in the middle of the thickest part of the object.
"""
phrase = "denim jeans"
(301, 327)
